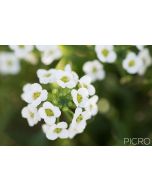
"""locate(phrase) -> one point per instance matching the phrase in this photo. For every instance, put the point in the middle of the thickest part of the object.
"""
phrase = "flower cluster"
(133, 63)
(10, 61)
(65, 104)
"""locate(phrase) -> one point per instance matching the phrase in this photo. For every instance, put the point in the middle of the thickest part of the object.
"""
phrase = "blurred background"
(125, 101)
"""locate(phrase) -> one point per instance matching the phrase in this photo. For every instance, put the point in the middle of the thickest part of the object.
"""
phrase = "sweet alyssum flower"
(85, 82)
(31, 58)
(67, 78)
(56, 131)
(9, 64)
(78, 123)
(22, 51)
(80, 97)
(94, 69)
(25, 52)
(145, 56)
(140, 47)
(132, 63)
(49, 113)
(31, 114)
(34, 94)
(92, 106)
(46, 76)
(105, 53)
(43, 48)
(49, 53)
(62, 103)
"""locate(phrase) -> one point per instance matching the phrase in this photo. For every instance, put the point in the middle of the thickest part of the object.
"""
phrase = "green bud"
(65, 108)
(54, 91)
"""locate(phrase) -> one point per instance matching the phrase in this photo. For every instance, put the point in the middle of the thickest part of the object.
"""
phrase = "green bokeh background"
(129, 98)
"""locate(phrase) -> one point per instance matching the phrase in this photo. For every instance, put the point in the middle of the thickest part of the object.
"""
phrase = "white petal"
(62, 125)
(68, 68)
(57, 111)
(85, 79)
(83, 91)
(50, 120)
(51, 136)
(44, 95)
(91, 90)
(64, 134)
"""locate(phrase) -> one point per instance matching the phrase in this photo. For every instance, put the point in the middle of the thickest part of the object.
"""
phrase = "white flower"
(67, 78)
(46, 76)
(106, 53)
(34, 94)
(50, 54)
(132, 63)
(31, 58)
(140, 47)
(144, 55)
(78, 123)
(56, 130)
(21, 51)
(85, 82)
(49, 113)
(72, 132)
(80, 97)
(43, 48)
(9, 64)
(92, 107)
(31, 114)
(94, 69)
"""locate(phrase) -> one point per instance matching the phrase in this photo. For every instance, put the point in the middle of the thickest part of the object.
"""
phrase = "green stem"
(62, 63)
(69, 115)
